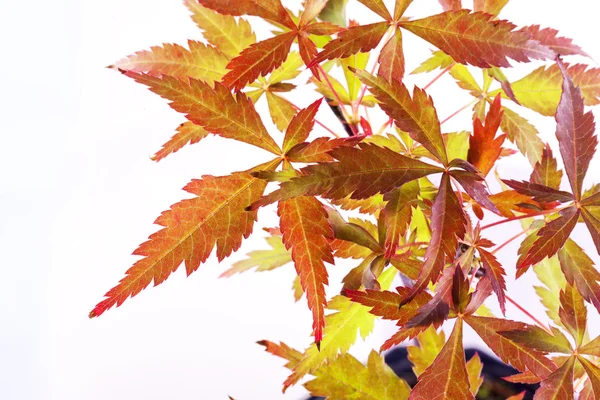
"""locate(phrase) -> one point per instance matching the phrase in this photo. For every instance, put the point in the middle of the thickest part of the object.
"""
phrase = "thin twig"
(524, 311)
(438, 76)
(338, 99)
(455, 113)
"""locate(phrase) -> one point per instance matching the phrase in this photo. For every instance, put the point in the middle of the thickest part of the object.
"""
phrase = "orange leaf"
(572, 313)
(188, 132)
(353, 40)
(593, 373)
(447, 377)
(360, 172)
(580, 272)
(318, 150)
(400, 8)
(306, 233)
(300, 126)
(258, 60)
(546, 171)
(489, 6)
(199, 62)
(484, 146)
(449, 5)
(559, 385)
(269, 9)
(397, 215)
(416, 115)
(378, 7)
(391, 59)
(216, 110)
(227, 34)
(191, 229)
(476, 39)
(312, 8)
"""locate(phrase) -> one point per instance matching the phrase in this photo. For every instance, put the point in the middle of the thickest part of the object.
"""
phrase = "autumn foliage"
(423, 193)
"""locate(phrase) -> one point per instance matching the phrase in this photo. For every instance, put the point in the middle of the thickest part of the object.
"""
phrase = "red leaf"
(549, 37)
(476, 39)
(300, 126)
(551, 237)
(391, 58)
(191, 229)
(474, 188)
(520, 357)
(484, 146)
(269, 9)
(416, 115)
(353, 40)
(378, 7)
(540, 193)
(360, 172)
(447, 225)
(258, 60)
(216, 110)
(188, 132)
(446, 377)
(306, 233)
(495, 273)
(575, 133)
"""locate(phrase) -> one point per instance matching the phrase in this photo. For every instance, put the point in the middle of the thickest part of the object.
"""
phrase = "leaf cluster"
(424, 195)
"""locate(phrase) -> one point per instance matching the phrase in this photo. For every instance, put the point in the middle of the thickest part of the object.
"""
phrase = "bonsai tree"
(424, 195)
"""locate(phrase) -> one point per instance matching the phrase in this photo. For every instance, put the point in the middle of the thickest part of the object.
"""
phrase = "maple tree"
(424, 195)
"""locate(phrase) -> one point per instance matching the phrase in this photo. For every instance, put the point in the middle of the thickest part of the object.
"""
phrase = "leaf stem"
(438, 76)
(527, 313)
(455, 113)
(503, 221)
(497, 249)
(337, 98)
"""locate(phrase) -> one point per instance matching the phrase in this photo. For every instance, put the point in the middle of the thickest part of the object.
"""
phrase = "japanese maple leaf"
(447, 376)
(263, 57)
(306, 234)
(484, 146)
(191, 229)
(577, 143)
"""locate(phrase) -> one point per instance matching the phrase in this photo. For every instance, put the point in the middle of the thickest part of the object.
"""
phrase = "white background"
(79, 192)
